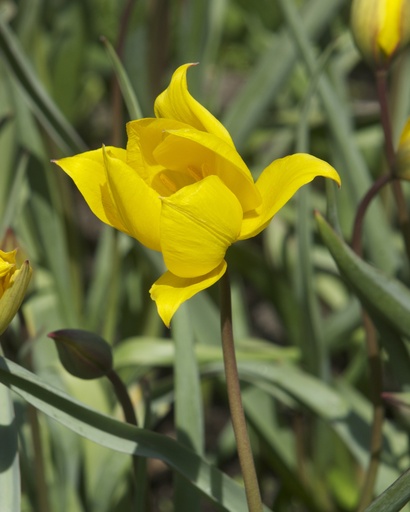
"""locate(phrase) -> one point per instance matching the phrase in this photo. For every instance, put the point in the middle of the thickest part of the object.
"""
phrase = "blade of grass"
(271, 73)
(9, 461)
(355, 176)
(130, 99)
(25, 75)
(188, 403)
(123, 437)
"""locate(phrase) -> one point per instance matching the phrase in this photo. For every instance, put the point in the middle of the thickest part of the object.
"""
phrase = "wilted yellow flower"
(13, 286)
(380, 29)
(403, 153)
(182, 189)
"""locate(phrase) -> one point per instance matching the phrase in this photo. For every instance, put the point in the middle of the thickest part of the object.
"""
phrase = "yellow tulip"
(380, 29)
(13, 285)
(181, 188)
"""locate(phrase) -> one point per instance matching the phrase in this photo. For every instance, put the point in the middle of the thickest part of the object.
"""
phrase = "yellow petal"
(277, 184)
(7, 262)
(390, 12)
(87, 170)
(177, 103)
(203, 154)
(137, 204)
(198, 224)
(170, 291)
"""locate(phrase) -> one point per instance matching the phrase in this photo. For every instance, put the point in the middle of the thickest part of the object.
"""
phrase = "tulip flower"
(13, 285)
(181, 188)
(380, 28)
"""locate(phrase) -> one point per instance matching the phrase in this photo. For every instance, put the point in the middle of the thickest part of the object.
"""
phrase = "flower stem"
(127, 407)
(235, 400)
(376, 388)
(382, 94)
(362, 209)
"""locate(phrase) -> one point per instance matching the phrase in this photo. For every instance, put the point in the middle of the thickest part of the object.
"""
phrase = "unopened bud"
(381, 28)
(13, 285)
(83, 354)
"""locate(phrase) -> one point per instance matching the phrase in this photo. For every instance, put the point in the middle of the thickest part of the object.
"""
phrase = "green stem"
(403, 217)
(362, 209)
(374, 359)
(235, 400)
(126, 404)
(376, 440)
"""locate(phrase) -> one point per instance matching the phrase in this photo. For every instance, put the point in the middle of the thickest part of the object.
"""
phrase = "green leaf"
(9, 461)
(160, 352)
(395, 497)
(188, 402)
(123, 437)
(133, 107)
(270, 74)
(383, 296)
(43, 105)
(338, 116)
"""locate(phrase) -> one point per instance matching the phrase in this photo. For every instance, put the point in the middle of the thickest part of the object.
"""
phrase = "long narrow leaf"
(24, 73)
(385, 296)
(123, 437)
(9, 461)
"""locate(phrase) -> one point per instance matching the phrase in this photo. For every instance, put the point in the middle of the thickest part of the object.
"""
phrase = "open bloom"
(182, 189)
(380, 29)
(13, 285)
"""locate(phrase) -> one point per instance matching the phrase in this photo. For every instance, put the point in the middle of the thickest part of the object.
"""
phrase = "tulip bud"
(403, 153)
(13, 286)
(83, 354)
(380, 29)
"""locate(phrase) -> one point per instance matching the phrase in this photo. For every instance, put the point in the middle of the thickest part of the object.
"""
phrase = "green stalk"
(124, 399)
(235, 400)
(382, 94)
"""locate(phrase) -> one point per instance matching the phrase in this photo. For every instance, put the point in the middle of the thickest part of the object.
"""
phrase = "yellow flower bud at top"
(13, 285)
(380, 29)
(403, 153)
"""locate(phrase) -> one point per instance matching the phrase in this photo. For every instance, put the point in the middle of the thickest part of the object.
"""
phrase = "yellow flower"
(13, 286)
(403, 153)
(182, 189)
(380, 29)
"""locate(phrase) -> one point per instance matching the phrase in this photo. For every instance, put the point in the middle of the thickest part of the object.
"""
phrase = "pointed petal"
(198, 224)
(138, 205)
(278, 183)
(170, 291)
(203, 154)
(87, 170)
(390, 32)
(177, 103)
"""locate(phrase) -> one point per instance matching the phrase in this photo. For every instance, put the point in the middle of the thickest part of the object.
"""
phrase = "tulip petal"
(177, 103)
(390, 17)
(138, 205)
(198, 224)
(170, 291)
(87, 170)
(278, 183)
(203, 154)
(7, 262)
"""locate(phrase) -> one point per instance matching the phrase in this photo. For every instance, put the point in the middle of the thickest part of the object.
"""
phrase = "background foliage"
(283, 77)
